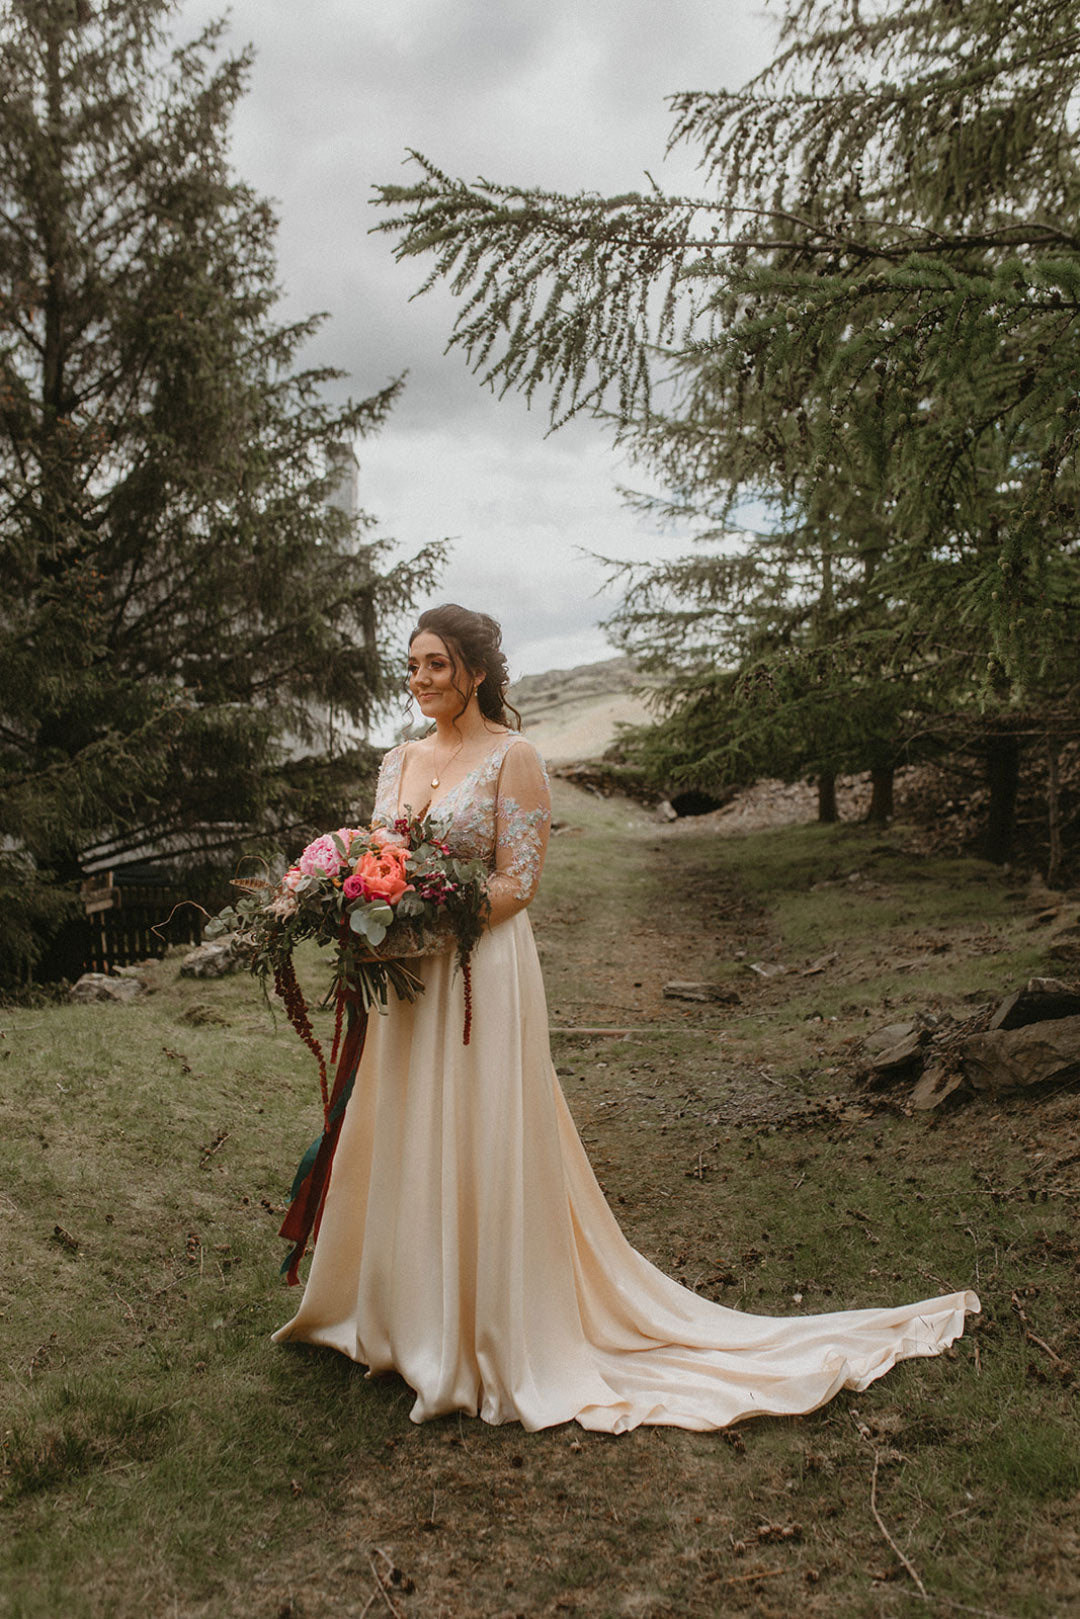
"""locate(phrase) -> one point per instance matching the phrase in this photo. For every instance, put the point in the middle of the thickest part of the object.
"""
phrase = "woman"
(465, 1242)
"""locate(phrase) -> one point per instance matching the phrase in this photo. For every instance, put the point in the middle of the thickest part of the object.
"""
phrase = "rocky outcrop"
(1028, 1042)
(892, 1049)
(1026, 1058)
(106, 987)
(213, 960)
(575, 714)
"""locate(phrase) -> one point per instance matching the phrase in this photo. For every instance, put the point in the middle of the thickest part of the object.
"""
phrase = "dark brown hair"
(474, 642)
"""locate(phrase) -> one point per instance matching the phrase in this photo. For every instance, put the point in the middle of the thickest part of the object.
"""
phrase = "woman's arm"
(522, 827)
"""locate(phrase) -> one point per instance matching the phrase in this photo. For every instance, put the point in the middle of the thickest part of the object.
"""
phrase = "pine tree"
(873, 307)
(179, 600)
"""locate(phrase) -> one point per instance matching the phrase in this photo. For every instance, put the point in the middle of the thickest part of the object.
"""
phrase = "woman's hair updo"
(474, 642)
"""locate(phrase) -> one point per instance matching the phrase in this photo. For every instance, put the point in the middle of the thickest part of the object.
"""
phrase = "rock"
(1026, 1006)
(105, 987)
(935, 1087)
(820, 964)
(766, 969)
(213, 960)
(1023, 1059)
(143, 972)
(896, 1046)
(1047, 986)
(686, 989)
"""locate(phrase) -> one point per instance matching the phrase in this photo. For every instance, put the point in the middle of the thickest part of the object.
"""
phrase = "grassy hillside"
(162, 1457)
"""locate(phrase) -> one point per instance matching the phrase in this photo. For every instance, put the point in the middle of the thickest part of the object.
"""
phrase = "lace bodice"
(499, 813)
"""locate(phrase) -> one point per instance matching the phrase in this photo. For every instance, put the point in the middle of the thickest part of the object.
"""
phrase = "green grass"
(161, 1456)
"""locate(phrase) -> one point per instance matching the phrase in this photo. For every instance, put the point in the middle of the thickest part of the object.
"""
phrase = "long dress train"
(466, 1244)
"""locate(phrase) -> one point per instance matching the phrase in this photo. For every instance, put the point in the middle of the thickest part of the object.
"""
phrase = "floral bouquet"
(377, 894)
(380, 896)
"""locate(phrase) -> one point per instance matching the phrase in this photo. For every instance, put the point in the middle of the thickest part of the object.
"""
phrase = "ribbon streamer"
(312, 1178)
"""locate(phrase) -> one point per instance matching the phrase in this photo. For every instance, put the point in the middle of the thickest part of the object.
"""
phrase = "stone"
(1023, 1059)
(896, 1046)
(1026, 1006)
(820, 964)
(685, 989)
(213, 960)
(138, 969)
(105, 987)
(935, 1087)
(143, 972)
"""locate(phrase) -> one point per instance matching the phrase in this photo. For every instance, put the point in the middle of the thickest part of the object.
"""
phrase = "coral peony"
(382, 875)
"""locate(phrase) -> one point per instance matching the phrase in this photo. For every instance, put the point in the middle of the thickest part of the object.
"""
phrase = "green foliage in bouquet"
(377, 895)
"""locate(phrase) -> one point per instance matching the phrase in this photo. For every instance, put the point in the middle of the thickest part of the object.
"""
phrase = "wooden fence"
(127, 921)
(130, 922)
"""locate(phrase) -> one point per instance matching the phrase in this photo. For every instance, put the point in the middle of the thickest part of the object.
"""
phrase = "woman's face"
(438, 688)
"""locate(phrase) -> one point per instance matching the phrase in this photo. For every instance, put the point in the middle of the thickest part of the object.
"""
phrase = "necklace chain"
(437, 772)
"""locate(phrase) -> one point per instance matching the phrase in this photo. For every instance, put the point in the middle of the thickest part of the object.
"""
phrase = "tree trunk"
(881, 796)
(1053, 805)
(1003, 779)
(826, 798)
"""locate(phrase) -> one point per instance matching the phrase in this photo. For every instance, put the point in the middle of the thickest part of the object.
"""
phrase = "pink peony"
(322, 858)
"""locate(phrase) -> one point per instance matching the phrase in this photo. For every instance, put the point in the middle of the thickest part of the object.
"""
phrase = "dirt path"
(628, 904)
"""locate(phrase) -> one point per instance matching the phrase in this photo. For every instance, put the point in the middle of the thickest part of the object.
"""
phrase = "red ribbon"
(313, 1176)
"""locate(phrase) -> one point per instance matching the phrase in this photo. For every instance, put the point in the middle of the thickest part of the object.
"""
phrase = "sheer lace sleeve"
(522, 826)
(386, 791)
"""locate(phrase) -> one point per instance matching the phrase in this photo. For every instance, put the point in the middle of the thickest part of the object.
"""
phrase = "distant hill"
(574, 714)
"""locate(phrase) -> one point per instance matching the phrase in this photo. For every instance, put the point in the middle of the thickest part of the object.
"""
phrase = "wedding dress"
(465, 1242)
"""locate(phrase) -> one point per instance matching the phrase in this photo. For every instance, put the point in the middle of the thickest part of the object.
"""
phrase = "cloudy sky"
(567, 94)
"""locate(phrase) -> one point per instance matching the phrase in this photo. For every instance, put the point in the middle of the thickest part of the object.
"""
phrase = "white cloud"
(524, 514)
(564, 93)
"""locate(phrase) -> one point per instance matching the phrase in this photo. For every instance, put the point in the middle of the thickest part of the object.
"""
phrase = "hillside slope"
(574, 714)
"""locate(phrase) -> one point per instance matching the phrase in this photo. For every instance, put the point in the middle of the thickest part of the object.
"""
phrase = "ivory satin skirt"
(466, 1244)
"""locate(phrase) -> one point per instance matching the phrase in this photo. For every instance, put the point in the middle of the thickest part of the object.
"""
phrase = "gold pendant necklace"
(453, 756)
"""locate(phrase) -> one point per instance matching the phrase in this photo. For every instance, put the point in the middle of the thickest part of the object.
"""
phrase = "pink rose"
(352, 887)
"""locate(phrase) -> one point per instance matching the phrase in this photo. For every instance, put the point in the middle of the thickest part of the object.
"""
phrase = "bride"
(465, 1242)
